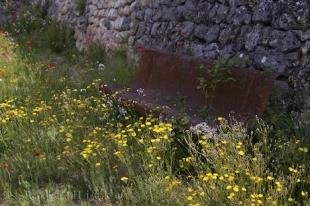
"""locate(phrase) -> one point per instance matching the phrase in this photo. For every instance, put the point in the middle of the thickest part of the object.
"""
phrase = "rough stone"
(121, 24)
(227, 51)
(212, 51)
(226, 35)
(270, 60)
(155, 29)
(305, 49)
(263, 11)
(212, 34)
(200, 31)
(284, 41)
(188, 29)
(221, 13)
(305, 35)
(187, 11)
(241, 16)
(253, 38)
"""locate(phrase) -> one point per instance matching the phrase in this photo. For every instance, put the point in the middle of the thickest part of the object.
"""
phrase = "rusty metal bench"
(166, 83)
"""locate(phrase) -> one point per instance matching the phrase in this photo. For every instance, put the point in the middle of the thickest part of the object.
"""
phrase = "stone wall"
(265, 34)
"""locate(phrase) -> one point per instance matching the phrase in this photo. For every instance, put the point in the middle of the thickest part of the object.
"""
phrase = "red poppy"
(50, 67)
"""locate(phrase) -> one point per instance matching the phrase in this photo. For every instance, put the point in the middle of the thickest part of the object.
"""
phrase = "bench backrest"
(173, 74)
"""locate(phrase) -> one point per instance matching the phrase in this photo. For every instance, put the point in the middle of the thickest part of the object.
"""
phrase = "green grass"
(62, 142)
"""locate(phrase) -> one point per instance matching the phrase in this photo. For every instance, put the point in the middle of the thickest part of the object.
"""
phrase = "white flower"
(203, 129)
(101, 67)
(140, 91)
(122, 111)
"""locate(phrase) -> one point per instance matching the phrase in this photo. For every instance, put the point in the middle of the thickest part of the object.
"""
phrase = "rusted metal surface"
(167, 83)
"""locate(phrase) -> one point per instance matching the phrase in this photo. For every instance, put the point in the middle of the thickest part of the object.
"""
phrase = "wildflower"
(50, 67)
(256, 179)
(98, 164)
(220, 118)
(270, 178)
(241, 153)
(292, 170)
(236, 188)
(228, 187)
(124, 179)
(231, 195)
(167, 178)
(140, 92)
(101, 67)
(303, 193)
(278, 186)
(303, 149)
(231, 178)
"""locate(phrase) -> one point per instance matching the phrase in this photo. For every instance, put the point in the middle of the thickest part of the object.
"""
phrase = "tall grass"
(64, 143)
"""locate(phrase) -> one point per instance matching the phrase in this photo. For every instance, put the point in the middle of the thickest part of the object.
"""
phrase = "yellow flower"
(270, 178)
(292, 170)
(231, 195)
(231, 178)
(236, 188)
(124, 179)
(303, 194)
(190, 198)
(68, 135)
(241, 153)
(303, 149)
(98, 164)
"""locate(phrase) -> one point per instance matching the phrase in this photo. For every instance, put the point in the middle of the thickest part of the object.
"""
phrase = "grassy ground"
(64, 143)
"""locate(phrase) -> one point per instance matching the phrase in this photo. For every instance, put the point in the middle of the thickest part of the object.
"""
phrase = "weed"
(81, 5)
(64, 143)
(59, 38)
(218, 74)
